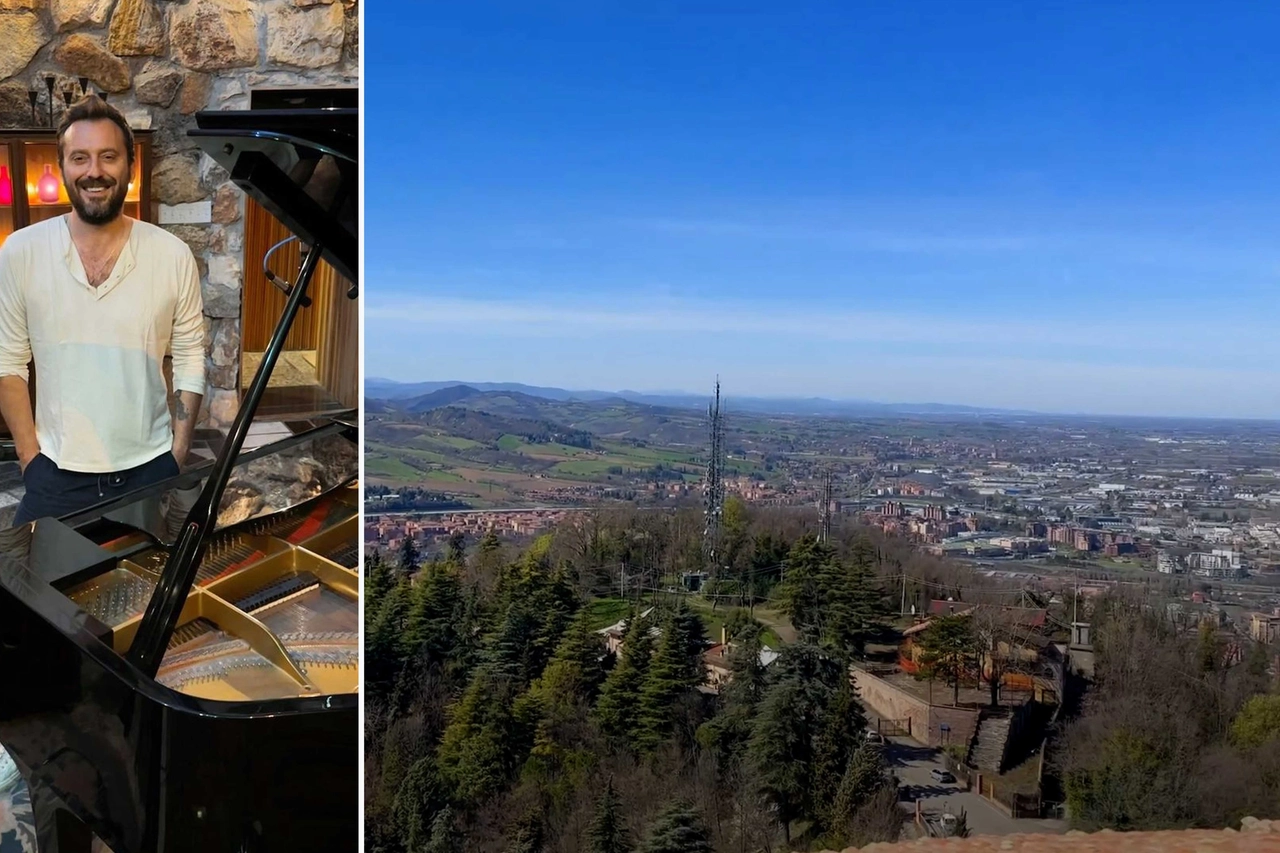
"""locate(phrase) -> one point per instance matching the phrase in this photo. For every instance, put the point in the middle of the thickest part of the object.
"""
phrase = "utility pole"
(904, 594)
(1075, 598)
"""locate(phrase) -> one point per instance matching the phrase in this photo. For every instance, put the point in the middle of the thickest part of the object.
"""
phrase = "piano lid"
(300, 161)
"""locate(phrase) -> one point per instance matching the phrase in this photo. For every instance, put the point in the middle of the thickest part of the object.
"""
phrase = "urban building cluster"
(1172, 520)
(430, 531)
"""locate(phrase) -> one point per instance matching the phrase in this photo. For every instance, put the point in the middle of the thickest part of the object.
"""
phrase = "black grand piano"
(179, 667)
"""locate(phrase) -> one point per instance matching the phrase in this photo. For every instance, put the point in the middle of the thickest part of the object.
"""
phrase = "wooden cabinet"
(31, 191)
(31, 187)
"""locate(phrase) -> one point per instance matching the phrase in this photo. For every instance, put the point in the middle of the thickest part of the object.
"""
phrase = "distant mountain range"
(432, 394)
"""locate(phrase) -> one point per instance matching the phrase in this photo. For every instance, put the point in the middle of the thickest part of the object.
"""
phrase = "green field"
(647, 457)
(606, 611)
(378, 465)
(583, 467)
(448, 442)
(603, 612)
(431, 457)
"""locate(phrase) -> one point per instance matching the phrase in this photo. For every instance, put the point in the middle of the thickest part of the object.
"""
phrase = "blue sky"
(1074, 207)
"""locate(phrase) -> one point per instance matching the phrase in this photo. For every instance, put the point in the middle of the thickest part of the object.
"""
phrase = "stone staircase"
(989, 742)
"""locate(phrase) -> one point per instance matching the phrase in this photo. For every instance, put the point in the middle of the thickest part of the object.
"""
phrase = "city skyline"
(1058, 212)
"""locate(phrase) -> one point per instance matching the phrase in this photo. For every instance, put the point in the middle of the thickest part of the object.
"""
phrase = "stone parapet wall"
(894, 703)
(161, 62)
(961, 721)
(1254, 836)
(888, 702)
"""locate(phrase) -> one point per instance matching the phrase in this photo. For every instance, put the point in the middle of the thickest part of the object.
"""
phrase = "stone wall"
(1253, 836)
(161, 62)
(893, 703)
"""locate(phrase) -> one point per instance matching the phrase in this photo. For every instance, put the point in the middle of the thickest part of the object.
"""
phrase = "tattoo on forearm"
(179, 408)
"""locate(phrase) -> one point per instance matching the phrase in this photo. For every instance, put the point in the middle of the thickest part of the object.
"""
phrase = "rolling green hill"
(498, 445)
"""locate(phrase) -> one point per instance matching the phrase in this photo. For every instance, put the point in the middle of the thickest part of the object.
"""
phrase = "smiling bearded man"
(97, 299)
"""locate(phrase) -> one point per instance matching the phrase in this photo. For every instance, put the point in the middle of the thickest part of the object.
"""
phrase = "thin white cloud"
(847, 238)
(1200, 338)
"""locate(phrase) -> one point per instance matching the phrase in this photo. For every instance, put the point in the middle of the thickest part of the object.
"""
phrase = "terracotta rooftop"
(1255, 836)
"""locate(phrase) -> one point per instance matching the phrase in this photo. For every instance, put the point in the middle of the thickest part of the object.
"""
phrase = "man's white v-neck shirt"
(101, 400)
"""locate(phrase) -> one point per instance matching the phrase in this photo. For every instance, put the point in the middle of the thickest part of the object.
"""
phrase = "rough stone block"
(212, 35)
(195, 93)
(309, 37)
(176, 180)
(220, 301)
(86, 56)
(157, 84)
(226, 204)
(225, 270)
(197, 237)
(73, 14)
(22, 34)
(137, 29)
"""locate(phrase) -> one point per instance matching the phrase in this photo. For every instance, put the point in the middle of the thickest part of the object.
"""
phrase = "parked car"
(940, 775)
(875, 737)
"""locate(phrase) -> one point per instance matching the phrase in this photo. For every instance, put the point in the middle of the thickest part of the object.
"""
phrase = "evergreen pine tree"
(490, 543)
(556, 603)
(536, 604)
(431, 625)
(727, 734)
(457, 553)
(418, 798)
(487, 562)
(768, 554)
(947, 649)
(445, 835)
(1208, 647)
(676, 668)
(1257, 662)
(862, 777)
(483, 742)
(409, 557)
(804, 588)
(512, 650)
(678, 829)
(781, 751)
(377, 580)
(608, 828)
(617, 710)
(694, 635)
(555, 703)
(529, 836)
(748, 680)
(843, 733)
(383, 647)
(782, 747)
(577, 660)
(852, 599)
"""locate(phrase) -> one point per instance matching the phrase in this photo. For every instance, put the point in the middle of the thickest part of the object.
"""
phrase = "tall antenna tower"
(828, 497)
(714, 486)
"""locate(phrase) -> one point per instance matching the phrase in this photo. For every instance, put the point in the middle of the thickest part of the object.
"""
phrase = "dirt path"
(778, 622)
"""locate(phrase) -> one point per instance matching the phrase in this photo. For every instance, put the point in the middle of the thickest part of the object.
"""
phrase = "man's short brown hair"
(93, 108)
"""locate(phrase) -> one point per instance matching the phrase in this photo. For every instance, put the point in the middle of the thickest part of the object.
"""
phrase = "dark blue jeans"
(53, 492)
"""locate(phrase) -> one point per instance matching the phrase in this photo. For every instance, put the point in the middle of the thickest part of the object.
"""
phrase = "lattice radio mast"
(828, 497)
(714, 487)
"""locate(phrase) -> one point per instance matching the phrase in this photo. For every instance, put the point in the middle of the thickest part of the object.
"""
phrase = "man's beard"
(97, 211)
